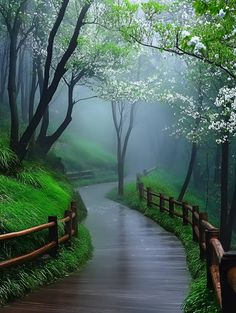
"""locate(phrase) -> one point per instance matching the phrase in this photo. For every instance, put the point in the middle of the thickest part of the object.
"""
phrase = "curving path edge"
(137, 267)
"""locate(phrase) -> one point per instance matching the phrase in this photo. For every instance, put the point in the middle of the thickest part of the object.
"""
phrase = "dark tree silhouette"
(122, 113)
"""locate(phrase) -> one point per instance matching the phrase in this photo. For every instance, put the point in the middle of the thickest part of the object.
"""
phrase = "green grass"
(21, 279)
(78, 154)
(199, 299)
(26, 200)
(25, 204)
(163, 182)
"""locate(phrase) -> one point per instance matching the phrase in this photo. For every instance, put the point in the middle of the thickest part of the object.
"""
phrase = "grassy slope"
(27, 201)
(21, 279)
(79, 154)
(200, 299)
(170, 186)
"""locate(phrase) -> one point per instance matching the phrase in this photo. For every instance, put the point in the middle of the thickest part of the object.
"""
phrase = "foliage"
(81, 155)
(82, 211)
(224, 121)
(34, 197)
(28, 177)
(26, 201)
(159, 181)
(8, 160)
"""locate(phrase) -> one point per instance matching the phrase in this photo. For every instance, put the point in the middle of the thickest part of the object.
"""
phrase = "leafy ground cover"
(165, 183)
(26, 200)
(78, 154)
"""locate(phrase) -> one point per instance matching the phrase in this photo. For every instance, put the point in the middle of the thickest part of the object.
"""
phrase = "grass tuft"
(26, 200)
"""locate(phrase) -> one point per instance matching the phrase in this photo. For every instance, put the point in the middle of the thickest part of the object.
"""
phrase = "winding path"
(137, 267)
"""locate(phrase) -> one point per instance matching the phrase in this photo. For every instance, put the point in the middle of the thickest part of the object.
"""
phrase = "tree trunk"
(32, 91)
(197, 177)
(3, 69)
(44, 126)
(189, 172)
(217, 166)
(224, 193)
(14, 135)
(120, 168)
(232, 217)
(46, 142)
(121, 149)
(24, 97)
(49, 91)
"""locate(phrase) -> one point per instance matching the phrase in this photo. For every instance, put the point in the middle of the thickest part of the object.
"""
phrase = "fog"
(150, 144)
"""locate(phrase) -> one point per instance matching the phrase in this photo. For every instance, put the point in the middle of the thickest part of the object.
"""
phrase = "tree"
(96, 55)
(120, 111)
(124, 93)
(224, 123)
(188, 29)
(50, 87)
(14, 16)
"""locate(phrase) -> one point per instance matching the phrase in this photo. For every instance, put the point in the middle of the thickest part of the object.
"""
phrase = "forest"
(107, 91)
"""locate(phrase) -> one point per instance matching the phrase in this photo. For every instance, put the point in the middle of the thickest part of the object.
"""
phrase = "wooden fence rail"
(71, 229)
(221, 266)
(88, 174)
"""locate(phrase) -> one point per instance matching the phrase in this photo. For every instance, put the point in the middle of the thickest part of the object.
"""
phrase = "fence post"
(137, 181)
(171, 207)
(162, 202)
(68, 225)
(53, 235)
(185, 213)
(75, 221)
(210, 258)
(202, 216)
(149, 197)
(228, 282)
(195, 223)
(140, 188)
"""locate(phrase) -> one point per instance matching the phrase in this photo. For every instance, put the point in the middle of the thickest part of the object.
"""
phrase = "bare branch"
(84, 99)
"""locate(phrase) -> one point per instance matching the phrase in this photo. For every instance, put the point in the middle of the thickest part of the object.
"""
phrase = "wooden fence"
(70, 222)
(221, 266)
(88, 174)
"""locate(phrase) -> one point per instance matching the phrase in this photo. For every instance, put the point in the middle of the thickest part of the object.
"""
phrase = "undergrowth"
(78, 154)
(200, 299)
(21, 279)
(165, 183)
(28, 196)
(27, 201)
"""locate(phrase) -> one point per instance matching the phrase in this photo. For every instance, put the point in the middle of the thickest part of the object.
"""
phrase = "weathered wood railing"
(70, 222)
(221, 266)
(88, 174)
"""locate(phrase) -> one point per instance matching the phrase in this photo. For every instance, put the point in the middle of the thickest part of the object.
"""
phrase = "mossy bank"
(26, 200)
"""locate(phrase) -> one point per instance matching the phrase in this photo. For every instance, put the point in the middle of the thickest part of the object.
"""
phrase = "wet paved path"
(137, 267)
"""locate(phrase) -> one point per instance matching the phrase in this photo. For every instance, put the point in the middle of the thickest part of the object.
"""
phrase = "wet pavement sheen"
(137, 267)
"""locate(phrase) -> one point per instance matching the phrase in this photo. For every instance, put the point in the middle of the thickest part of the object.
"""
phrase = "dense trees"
(189, 29)
(15, 16)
